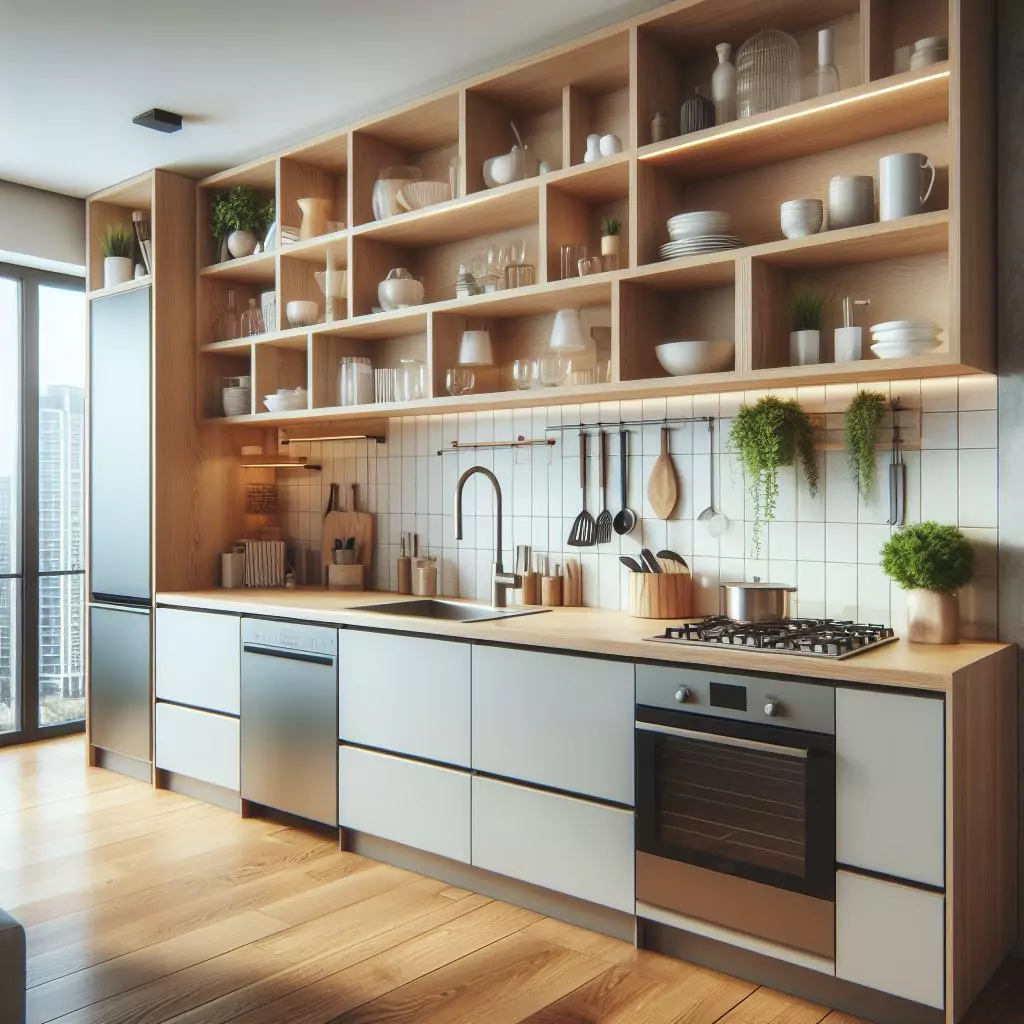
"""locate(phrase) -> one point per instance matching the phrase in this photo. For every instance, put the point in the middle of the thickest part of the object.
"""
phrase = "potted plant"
(238, 219)
(930, 562)
(117, 244)
(808, 311)
(769, 435)
(610, 243)
(863, 416)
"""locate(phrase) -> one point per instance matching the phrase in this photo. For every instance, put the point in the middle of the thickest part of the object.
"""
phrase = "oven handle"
(727, 741)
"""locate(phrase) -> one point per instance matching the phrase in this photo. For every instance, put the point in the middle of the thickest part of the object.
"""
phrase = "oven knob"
(683, 694)
(771, 707)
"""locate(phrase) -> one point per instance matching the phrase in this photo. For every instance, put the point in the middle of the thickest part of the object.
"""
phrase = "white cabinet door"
(406, 694)
(198, 659)
(408, 802)
(562, 843)
(555, 720)
(890, 786)
(891, 938)
(198, 744)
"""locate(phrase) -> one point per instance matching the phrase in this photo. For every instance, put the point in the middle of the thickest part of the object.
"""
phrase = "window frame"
(26, 585)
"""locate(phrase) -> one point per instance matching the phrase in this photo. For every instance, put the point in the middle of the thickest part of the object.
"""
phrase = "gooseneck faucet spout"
(501, 581)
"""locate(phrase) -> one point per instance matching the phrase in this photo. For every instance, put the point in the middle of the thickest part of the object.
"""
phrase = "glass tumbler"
(520, 275)
(571, 256)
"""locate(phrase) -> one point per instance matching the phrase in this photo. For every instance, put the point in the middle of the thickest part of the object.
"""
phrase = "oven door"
(752, 801)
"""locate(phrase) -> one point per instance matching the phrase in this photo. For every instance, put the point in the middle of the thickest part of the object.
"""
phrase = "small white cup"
(802, 217)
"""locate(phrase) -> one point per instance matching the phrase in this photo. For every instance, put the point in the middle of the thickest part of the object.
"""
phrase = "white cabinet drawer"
(420, 805)
(555, 720)
(406, 694)
(891, 938)
(890, 786)
(558, 842)
(198, 659)
(198, 744)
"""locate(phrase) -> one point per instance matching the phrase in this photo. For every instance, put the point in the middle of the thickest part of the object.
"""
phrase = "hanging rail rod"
(618, 424)
(519, 442)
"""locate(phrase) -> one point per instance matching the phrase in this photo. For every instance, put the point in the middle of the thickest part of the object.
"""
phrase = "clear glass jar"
(355, 381)
(412, 378)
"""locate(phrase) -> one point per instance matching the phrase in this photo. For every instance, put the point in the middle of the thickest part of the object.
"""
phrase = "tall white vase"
(723, 86)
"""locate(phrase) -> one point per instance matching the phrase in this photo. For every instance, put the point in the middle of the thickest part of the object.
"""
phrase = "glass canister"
(767, 73)
(355, 381)
(412, 374)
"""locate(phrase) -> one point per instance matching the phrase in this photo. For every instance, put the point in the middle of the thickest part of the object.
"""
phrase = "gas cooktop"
(815, 638)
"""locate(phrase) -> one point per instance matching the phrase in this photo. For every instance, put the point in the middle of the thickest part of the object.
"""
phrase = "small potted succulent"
(931, 562)
(610, 240)
(808, 311)
(117, 245)
(238, 220)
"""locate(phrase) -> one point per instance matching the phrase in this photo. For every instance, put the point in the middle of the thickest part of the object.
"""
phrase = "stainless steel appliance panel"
(120, 713)
(119, 452)
(289, 718)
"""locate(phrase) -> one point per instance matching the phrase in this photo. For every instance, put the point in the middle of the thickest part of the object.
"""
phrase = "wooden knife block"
(667, 595)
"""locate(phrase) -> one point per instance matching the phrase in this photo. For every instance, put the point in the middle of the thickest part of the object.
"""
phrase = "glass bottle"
(723, 85)
(826, 75)
(251, 321)
(229, 324)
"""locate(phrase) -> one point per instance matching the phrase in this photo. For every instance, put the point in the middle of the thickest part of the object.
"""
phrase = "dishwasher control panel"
(288, 636)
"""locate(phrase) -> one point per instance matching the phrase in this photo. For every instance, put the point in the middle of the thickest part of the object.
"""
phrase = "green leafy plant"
(769, 435)
(808, 308)
(863, 416)
(928, 556)
(610, 226)
(239, 209)
(118, 240)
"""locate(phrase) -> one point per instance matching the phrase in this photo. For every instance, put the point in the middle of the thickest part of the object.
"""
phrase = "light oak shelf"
(119, 289)
(315, 250)
(257, 269)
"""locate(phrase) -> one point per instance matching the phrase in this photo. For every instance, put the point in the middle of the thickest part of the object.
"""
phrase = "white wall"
(41, 229)
(828, 546)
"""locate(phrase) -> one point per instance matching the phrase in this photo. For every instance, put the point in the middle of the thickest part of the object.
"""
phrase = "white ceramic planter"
(116, 270)
(933, 617)
(610, 245)
(804, 348)
(241, 243)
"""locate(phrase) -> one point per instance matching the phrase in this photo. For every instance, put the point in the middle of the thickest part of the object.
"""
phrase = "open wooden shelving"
(613, 81)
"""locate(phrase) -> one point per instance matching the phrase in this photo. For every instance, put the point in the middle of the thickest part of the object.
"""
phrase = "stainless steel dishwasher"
(290, 718)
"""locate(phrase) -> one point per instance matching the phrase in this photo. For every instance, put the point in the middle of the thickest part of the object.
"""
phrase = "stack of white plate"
(699, 246)
(897, 339)
(237, 400)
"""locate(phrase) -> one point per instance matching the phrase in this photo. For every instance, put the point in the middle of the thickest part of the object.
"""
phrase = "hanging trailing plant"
(769, 435)
(863, 417)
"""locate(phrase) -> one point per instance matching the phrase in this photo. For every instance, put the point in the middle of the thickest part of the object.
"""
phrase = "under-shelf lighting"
(795, 115)
(277, 462)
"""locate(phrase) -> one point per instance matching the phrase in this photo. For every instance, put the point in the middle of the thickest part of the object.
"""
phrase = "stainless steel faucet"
(501, 581)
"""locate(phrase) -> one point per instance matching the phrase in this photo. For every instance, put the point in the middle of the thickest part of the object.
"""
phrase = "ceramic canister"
(851, 200)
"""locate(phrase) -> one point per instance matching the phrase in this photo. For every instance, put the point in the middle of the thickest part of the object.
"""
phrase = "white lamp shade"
(475, 349)
(567, 333)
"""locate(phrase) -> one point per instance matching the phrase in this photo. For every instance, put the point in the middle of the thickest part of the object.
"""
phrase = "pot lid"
(758, 585)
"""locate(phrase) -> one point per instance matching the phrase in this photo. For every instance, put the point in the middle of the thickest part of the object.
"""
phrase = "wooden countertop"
(592, 631)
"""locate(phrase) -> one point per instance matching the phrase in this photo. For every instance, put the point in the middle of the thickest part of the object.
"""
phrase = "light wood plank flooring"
(145, 907)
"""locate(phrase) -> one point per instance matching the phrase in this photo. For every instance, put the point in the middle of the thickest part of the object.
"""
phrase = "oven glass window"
(744, 806)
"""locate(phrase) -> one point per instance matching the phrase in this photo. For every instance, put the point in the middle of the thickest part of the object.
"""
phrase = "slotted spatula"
(584, 529)
(604, 520)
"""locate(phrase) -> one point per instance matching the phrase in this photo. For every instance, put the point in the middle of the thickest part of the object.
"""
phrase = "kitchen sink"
(453, 611)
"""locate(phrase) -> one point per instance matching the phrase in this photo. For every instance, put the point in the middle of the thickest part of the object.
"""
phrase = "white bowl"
(399, 292)
(301, 313)
(906, 334)
(902, 349)
(891, 325)
(418, 195)
(286, 400)
(338, 282)
(802, 217)
(681, 358)
(698, 224)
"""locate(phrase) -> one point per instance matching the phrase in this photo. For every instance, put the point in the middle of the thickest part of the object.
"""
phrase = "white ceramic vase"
(241, 243)
(593, 149)
(723, 85)
(804, 348)
(116, 270)
(610, 245)
(933, 617)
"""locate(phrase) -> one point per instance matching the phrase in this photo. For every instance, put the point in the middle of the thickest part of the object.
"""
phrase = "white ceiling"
(248, 75)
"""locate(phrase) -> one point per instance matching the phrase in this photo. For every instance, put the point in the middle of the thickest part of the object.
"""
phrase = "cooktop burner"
(821, 638)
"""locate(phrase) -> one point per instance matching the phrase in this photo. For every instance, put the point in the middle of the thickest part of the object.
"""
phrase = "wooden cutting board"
(663, 488)
(339, 525)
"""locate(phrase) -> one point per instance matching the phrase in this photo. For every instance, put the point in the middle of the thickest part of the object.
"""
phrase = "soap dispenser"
(849, 339)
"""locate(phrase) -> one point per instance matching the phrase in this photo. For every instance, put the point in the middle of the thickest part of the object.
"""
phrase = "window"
(42, 504)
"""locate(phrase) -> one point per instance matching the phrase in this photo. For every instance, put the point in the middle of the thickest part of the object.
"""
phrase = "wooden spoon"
(663, 488)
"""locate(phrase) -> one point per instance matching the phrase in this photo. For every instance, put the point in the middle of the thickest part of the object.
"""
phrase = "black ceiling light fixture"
(159, 120)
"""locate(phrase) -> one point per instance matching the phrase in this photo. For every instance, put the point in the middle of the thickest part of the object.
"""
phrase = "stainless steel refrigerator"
(120, 518)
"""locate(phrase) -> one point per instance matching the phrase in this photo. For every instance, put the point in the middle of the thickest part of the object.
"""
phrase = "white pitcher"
(901, 188)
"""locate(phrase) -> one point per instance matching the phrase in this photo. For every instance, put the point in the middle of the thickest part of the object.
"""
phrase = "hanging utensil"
(334, 501)
(604, 520)
(625, 518)
(663, 487)
(675, 563)
(584, 529)
(714, 521)
(631, 563)
(650, 562)
(897, 474)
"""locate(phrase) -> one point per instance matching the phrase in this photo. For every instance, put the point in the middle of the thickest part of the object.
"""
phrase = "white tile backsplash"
(826, 544)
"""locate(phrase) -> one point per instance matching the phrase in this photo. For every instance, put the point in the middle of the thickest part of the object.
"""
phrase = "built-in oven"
(735, 802)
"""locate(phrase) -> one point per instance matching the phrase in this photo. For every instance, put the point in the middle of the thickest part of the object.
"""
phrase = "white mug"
(901, 189)
(851, 201)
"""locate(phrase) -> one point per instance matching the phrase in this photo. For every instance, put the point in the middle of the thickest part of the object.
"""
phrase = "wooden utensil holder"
(404, 575)
(551, 591)
(667, 595)
(346, 577)
(531, 588)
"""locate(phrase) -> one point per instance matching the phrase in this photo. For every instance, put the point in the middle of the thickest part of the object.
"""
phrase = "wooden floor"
(145, 906)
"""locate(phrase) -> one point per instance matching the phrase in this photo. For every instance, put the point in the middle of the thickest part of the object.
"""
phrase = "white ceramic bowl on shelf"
(802, 217)
(682, 358)
(301, 313)
(697, 224)
(286, 400)
(399, 292)
(902, 349)
(417, 195)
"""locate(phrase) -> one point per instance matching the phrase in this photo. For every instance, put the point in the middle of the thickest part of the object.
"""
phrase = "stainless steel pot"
(756, 601)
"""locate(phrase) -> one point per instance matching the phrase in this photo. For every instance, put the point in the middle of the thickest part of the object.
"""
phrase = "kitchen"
(416, 529)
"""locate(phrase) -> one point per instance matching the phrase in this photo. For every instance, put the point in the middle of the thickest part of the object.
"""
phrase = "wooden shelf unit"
(613, 81)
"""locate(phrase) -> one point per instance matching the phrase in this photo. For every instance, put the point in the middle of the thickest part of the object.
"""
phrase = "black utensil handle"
(583, 462)
(623, 451)
(604, 467)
